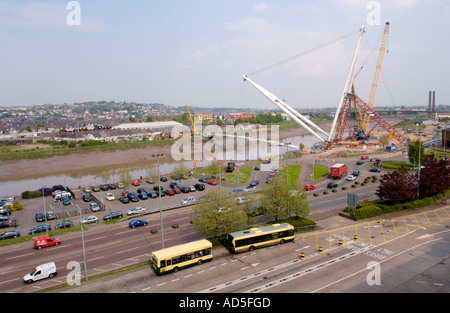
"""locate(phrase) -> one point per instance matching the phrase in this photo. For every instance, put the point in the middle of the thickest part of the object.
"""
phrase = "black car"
(64, 224)
(156, 188)
(113, 215)
(104, 187)
(124, 199)
(152, 194)
(163, 179)
(173, 184)
(133, 197)
(356, 173)
(39, 229)
(87, 197)
(40, 217)
(332, 185)
(185, 189)
(203, 179)
(254, 182)
(141, 190)
(199, 187)
(5, 211)
(10, 234)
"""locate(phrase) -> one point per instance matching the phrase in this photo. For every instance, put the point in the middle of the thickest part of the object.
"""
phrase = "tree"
(383, 140)
(125, 178)
(217, 214)
(282, 201)
(180, 170)
(214, 168)
(398, 186)
(413, 152)
(434, 176)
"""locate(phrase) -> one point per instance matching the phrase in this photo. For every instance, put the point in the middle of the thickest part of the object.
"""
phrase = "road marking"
(95, 239)
(134, 248)
(19, 256)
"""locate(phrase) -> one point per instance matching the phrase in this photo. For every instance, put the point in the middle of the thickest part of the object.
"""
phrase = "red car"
(364, 157)
(309, 187)
(125, 193)
(176, 190)
(169, 192)
(212, 182)
(136, 182)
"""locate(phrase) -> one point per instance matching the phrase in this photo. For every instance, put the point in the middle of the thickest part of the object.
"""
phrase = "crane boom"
(286, 109)
(194, 130)
(376, 78)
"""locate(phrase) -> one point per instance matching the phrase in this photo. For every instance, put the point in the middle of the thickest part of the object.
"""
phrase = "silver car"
(137, 210)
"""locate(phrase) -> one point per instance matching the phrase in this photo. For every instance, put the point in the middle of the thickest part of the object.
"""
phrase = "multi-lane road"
(110, 247)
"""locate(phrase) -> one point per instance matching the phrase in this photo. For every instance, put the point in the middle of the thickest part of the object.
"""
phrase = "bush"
(367, 211)
(31, 194)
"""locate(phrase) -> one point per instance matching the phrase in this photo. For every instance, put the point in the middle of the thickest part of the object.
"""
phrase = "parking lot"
(25, 219)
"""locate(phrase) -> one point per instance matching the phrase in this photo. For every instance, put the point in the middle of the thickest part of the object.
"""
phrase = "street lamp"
(287, 163)
(157, 156)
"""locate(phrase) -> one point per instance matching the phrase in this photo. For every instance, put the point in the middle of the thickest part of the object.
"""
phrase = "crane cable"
(306, 52)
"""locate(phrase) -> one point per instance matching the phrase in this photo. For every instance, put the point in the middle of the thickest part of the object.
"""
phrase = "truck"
(338, 170)
(230, 167)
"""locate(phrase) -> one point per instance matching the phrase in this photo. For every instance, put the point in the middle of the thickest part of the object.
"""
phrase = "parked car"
(163, 179)
(375, 170)
(39, 229)
(87, 197)
(94, 207)
(249, 188)
(90, 219)
(360, 162)
(254, 182)
(136, 223)
(169, 192)
(192, 188)
(66, 201)
(143, 196)
(355, 173)
(112, 215)
(133, 197)
(203, 179)
(332, 185)
(364, 157)
(10, 234)
(152, 194)
(51, 215)
(351, 177)
(141, 190)
(64, 224)
(150, 181)
(112, 186)
(39, 217)
(136, 182)
(5, 211)
(188, 200)
(199, 187)
(96, 188)
(109, 196)
(137, 210)
(155, 188)
(309, 187)
(104, 187)
(236, 191)
(120, 185)
(176, 190)
(211, 182)
(124, 200)
(173, 184)
(185, 189)
(87, 189)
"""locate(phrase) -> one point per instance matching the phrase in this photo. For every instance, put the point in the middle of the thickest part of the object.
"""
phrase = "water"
(91, 177)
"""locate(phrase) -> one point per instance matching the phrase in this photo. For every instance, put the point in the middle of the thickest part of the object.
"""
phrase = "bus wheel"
(251, 248)
(199, 262)
(175, 269)
(282, 241)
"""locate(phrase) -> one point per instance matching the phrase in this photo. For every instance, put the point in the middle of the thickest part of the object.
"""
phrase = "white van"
(47, 270)
(59, 196)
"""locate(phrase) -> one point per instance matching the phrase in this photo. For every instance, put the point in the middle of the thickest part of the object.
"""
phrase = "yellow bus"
(248, 240)
(174, 258)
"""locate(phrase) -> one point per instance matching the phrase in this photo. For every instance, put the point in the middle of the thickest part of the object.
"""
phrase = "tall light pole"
(287, 163)
(157, 156)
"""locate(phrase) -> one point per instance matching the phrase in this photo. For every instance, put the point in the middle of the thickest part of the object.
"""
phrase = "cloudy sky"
(195, 52)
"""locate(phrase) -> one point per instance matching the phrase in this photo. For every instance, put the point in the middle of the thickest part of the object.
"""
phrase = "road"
(403, 254)
(110, 247)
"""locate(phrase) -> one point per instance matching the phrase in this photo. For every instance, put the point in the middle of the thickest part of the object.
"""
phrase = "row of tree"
(402, 185)
(218, 214)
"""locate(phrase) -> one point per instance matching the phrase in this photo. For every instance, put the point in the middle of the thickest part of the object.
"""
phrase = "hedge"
(367, 211)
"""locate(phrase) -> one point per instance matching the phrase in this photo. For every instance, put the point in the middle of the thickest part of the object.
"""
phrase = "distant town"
(115, 121)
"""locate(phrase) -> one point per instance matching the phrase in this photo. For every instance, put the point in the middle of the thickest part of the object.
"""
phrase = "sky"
(194, 52)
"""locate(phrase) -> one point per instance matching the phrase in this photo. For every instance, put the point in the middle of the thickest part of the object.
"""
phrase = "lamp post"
(287, 163)
(157, 156)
